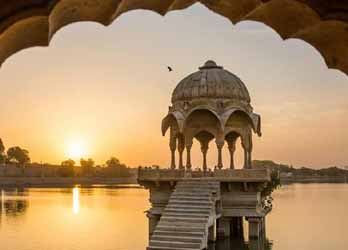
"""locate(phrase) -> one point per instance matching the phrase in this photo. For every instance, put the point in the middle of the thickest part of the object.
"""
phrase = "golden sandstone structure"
(191, 207)
(211, 103)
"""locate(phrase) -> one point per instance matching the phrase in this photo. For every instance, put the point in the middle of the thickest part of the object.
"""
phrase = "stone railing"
(155, 174)
(228, 175)
(242, 174)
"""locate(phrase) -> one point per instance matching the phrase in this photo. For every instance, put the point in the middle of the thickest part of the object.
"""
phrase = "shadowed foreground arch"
(321, 23)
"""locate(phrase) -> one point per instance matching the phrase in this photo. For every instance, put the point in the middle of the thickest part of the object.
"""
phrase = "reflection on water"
(241, 244)
(76, 200)
(308, 217)
(12, 203)
(2, 207)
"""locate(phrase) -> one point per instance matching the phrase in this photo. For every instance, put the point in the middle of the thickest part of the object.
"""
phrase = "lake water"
(304, 217)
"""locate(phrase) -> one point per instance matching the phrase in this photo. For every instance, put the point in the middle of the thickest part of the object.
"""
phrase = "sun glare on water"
(76, 200)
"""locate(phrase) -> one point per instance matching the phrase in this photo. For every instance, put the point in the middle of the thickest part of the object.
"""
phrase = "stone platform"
(188, 208)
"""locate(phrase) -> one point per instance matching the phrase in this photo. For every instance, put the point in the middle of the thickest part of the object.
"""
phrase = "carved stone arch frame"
(245, 135)
(254, 119)
(322, 24)
(192, 133)
(168, 121)
(204, 136)
(203, 108)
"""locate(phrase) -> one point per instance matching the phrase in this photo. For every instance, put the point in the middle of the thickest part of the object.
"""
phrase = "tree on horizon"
(68, 163)
(2, 147)
(113, 162)
(117, 168)
(18, 155)
(87, 166)
(67, 168)
(2, 151)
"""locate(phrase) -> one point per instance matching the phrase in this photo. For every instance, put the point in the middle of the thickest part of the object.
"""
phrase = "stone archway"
(321, 23)
(204, 125)
(240, 125)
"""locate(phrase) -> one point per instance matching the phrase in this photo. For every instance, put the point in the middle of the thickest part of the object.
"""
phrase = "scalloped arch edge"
(329, 37)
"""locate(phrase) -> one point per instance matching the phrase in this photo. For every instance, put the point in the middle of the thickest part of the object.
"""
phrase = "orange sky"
(109, 87)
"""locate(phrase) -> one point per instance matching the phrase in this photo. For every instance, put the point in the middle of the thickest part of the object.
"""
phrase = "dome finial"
(210, 64)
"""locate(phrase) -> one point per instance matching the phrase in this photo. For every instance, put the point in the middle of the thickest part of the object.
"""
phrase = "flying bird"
(169, 69)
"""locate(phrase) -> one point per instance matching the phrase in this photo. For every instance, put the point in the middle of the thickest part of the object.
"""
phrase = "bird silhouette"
(169, 69)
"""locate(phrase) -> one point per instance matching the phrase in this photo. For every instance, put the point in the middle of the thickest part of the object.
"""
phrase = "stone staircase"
(188, 215)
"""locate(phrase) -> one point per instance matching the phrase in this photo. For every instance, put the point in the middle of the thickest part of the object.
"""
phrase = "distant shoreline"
(65, 182)
(311, 179)
(60, 182)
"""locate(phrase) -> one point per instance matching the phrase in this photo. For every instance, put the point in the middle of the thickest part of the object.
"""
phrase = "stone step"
(190, 198)
(206, 188)
(175, 244)
(176, 238)
(179, 185)
(195, 180)
(183, 219)
(180, 229)
(192, 190)
(167, 248)
(189, 206)
(198, 189)
(188, 211)
(177, 233)
(181, 224)
(183, 214)
(189, 194)
(192, 193)
(196, 183)
(186, 202)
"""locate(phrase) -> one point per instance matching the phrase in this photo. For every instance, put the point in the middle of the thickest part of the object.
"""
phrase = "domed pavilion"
(211, 103)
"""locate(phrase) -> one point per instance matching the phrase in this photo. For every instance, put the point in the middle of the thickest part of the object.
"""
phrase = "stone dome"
(213, 82)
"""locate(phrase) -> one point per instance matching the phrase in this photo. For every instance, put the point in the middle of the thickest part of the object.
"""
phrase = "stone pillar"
(246, 159)
(247, 146)
(254, 227)
(232, 149)
(181, 148)
(172, 161)
(249, 159)
(172, 146)
(204, 149)
(188, 159)
(212, 232)
(153, 221)
(219, 147)
(250, 165)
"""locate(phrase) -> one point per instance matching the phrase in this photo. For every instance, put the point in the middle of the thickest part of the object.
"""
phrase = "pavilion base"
(236, 195)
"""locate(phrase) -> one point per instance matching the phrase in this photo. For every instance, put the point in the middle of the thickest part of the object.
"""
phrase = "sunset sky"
(106, 90)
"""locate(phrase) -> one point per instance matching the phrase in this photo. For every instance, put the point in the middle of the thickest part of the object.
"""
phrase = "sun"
(76, 150)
